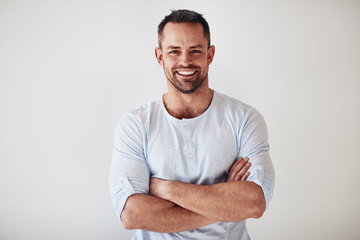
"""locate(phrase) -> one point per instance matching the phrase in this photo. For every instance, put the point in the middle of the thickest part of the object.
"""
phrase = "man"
(181, 164)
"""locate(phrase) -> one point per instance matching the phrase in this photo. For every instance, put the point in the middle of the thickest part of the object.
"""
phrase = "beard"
(171, 76)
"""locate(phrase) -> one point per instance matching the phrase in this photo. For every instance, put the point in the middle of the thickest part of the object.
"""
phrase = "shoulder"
(235, 107)
(144, 111)
(140, 116)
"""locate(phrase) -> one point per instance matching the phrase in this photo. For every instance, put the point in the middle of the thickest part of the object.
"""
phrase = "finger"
(242, 171)
(246, 175)
(237, 168)
(233, 172)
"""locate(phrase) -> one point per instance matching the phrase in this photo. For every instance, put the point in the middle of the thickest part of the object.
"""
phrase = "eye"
(196, 51)
(174, 52)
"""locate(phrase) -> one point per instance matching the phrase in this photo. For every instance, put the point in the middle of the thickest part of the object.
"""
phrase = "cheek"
(170, 59)
(202, 61)
(168, 64)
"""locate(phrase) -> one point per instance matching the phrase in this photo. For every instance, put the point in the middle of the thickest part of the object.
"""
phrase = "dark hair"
(184, 15)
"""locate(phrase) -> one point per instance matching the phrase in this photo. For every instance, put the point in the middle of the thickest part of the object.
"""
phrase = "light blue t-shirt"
(149, 142)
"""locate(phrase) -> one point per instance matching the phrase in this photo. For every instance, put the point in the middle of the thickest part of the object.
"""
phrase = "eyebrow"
(192, 47)
(172, 47)
(197, 46)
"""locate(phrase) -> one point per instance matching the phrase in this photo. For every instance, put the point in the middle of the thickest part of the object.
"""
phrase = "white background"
(69, 69)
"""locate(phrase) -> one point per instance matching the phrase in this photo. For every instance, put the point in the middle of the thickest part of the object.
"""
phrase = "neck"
(181, 105)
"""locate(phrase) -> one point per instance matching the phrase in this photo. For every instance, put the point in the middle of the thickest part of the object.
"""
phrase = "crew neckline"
(188, 119)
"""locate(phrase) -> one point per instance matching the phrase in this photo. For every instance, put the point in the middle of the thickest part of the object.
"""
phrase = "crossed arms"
(174, 206)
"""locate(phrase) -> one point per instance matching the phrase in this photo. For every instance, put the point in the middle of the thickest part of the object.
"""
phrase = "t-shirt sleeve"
(254, 145)
(129, 173)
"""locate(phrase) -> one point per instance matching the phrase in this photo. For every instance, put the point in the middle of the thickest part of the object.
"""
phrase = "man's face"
(185, 55)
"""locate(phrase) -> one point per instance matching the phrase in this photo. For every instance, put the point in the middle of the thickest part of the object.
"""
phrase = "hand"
(158, 187)
(239, 171)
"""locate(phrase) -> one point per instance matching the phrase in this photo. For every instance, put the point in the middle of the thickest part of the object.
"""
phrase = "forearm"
(158, 215)
(226, 202)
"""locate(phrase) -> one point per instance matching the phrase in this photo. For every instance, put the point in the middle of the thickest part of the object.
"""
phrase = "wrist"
(169, 190)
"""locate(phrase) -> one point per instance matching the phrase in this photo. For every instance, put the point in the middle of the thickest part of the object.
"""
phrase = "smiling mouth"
(186, 73)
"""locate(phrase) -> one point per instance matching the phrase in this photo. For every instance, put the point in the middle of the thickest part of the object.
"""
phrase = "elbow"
(259, 204)
(258, 213)
(259, 208)
(128, 219)
(132, 215)
(254, 212)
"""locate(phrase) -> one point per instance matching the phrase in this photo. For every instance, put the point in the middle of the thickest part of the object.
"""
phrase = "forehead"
(180, 34)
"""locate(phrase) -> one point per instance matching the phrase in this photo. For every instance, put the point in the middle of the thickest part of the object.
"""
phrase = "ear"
(159, 56)
(210, 54)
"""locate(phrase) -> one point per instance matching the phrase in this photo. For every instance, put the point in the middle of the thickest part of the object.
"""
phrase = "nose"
(185, 59)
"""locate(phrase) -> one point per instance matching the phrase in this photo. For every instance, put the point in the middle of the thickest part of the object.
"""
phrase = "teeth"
(186, 73)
